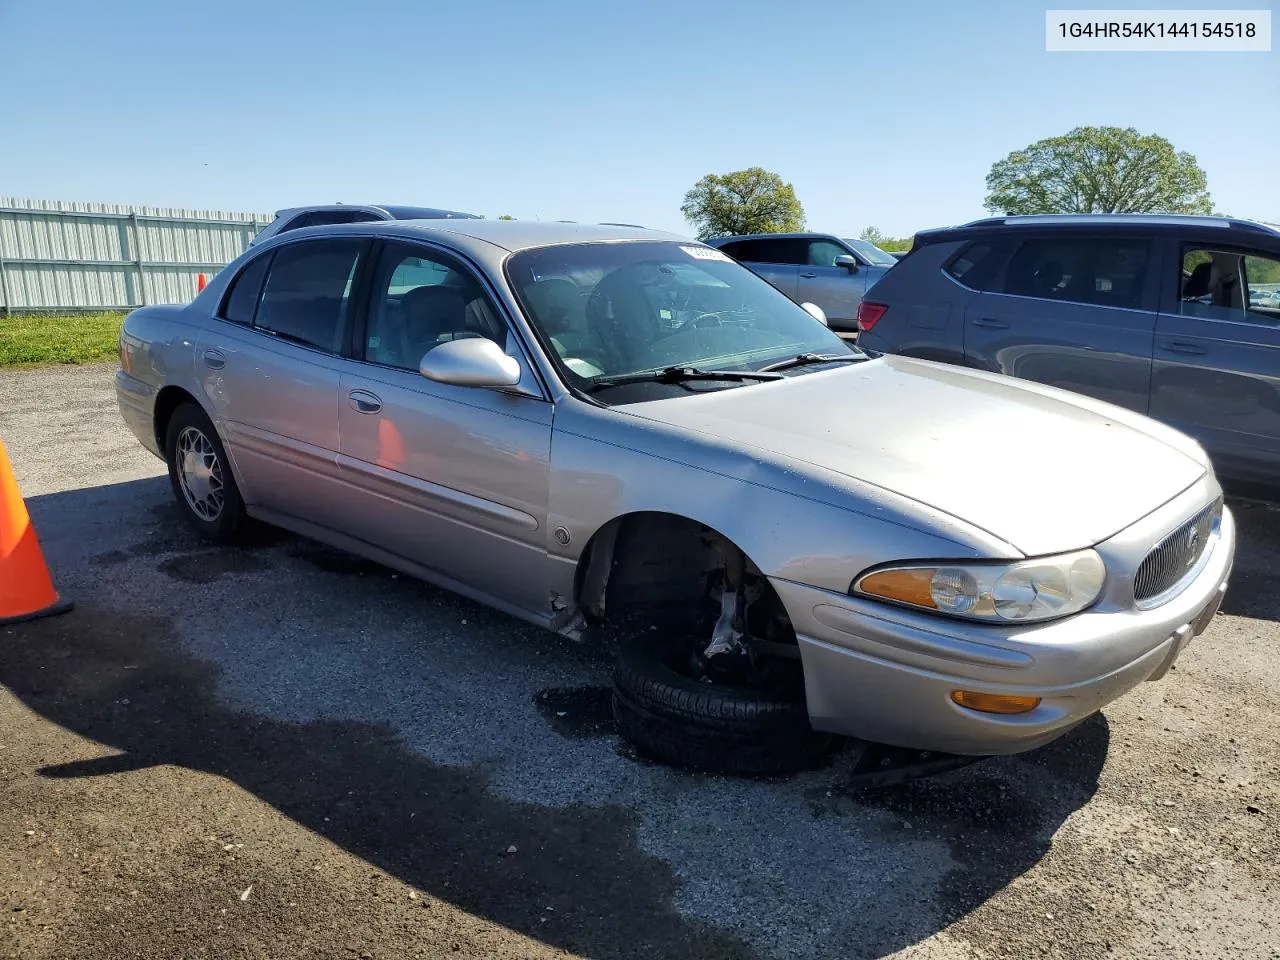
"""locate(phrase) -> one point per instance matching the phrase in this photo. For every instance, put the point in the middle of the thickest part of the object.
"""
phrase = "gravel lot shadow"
(120, 680)
(121, 677)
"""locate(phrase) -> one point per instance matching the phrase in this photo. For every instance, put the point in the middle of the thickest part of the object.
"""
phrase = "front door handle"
(362, 401)
(991, 324)
(1182, 346)
(808, 276)
(214, 359)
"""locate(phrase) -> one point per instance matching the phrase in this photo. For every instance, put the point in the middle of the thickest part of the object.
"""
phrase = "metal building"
(101, 256)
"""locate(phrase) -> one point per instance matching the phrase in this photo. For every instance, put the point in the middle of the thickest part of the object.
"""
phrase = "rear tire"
(201, 478)
(708, 726)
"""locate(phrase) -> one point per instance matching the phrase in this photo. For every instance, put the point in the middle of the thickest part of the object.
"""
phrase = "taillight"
(869, 315)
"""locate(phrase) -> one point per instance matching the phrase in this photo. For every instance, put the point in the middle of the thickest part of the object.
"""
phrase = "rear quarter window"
(977, 264)
(241, 300)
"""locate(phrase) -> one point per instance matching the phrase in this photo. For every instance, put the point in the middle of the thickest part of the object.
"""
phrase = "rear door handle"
(362, 401)
(991, 323)
(808, 276)
(1182, 346)
(214, 359)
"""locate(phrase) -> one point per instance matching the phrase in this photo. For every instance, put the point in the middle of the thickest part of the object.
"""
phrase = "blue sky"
(878, 113)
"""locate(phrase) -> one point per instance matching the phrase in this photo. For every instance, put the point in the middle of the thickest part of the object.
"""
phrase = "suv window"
(1229, 285)
(421, 298)
(1099, 271)
(318, 218)
(308, 291)
(823, 253)
(977, 264)
(241, 300)
(784, 250)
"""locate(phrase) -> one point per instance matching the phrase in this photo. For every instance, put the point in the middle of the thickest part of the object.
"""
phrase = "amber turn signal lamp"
(905, 586)
(994, 702)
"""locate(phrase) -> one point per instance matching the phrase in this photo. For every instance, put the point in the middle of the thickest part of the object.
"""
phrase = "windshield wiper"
(804, 359)
(680, 375)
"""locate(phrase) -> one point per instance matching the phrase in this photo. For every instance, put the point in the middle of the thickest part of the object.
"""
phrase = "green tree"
(506, 216)
(744, 201)
(887, 243)
(1098, 170)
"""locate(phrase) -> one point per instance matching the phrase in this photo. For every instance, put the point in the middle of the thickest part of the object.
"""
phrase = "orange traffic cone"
(202, 281)
(26, 590)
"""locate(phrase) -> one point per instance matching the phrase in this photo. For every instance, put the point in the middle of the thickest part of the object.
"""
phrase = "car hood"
(1040, 468)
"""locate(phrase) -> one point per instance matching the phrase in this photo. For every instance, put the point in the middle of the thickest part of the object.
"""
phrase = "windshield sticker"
(705, 253)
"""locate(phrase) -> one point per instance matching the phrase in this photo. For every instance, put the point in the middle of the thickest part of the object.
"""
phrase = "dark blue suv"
(1177, 317)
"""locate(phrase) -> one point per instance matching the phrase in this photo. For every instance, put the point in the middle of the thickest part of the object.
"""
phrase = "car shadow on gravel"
(121, 678)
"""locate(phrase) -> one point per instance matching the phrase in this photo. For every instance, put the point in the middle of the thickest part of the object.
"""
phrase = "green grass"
(32, 339)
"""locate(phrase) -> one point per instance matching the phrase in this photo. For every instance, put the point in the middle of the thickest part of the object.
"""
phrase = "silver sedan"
(626, 437)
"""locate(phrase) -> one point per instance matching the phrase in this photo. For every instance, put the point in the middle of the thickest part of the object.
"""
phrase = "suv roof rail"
(1170, 219)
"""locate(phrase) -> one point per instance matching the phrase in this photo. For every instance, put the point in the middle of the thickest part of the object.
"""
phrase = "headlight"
(1025, 591)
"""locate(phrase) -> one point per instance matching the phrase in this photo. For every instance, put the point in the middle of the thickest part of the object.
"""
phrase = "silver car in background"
(820, 268)
(626, 437)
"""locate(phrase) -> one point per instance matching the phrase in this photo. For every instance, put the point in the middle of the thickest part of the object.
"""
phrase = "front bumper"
(886, 674)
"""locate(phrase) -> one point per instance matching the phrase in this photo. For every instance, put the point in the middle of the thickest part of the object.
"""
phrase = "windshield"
(872, 254)
(611, 309)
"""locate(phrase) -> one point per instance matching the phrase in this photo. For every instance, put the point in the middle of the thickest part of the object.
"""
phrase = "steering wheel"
(710, 319)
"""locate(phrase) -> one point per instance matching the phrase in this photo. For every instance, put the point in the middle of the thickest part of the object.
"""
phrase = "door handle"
(362, 401)
(1182, 346)
(214, 359)
(808, 276)
(991, 324)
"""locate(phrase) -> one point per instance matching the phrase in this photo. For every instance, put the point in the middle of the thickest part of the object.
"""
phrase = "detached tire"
(200, 474)
(706, 726)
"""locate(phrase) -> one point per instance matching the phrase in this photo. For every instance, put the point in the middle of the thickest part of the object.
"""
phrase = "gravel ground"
(288, 752)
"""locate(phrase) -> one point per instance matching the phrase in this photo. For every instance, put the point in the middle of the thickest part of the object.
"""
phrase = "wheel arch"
(169, 399)
(652, 559)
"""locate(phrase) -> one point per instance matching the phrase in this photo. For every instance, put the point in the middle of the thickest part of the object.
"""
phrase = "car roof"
(510, 235)
(1157, 223)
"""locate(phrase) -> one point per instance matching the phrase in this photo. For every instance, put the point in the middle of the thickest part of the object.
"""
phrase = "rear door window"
(1101, 271)
(307, 297)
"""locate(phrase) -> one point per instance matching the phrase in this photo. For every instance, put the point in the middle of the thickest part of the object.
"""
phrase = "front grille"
(1171, 558)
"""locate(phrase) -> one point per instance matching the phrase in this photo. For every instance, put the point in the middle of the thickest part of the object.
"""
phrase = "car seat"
(430, 314)
(1198, 284)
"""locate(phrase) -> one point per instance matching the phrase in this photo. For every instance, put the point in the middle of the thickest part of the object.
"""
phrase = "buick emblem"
(1193, 540)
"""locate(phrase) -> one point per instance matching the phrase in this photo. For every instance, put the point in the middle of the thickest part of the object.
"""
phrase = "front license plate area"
(1201, 623)
(1184, 635)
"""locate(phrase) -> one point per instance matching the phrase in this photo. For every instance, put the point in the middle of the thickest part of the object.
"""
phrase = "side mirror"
(470, 362)
(815, 311)
(850, 263)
